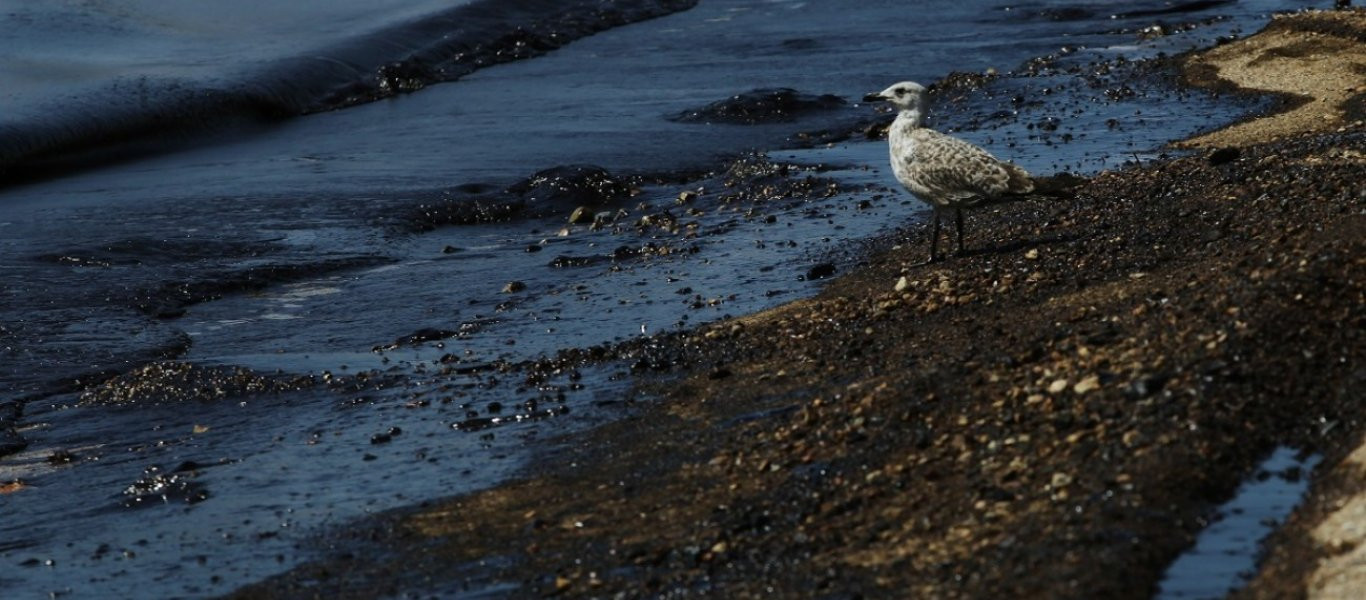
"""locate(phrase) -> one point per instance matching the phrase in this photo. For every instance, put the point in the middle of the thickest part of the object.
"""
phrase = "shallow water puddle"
(1225, 555)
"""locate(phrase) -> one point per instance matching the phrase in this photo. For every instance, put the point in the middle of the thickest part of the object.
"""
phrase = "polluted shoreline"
(427, 357)
(1053, 413)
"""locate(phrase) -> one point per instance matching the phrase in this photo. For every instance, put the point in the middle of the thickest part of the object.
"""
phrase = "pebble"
(820, 271)
(1088, 384)
(902, 284)
(582, 214)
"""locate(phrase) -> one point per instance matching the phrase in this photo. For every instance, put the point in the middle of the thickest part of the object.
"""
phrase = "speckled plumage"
(943, 171)
(947, 172)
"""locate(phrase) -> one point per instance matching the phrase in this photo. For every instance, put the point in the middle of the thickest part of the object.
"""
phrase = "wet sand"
(1051, 414)
(1315, 62)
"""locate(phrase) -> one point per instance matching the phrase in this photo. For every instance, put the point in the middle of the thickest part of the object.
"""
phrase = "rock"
(11, 442)
(170, 381)
(581, 215)
(62, 457)
(1224, 156)
(1057, 386)
(820, 271)
(461, 209)
(565, 261)
(777, 105)
(422, 336)
(158, 487)
(902, 284)
(582, 186)
(1090, 383)
(1147, 385)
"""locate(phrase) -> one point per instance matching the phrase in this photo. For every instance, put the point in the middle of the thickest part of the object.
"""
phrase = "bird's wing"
(952, 168)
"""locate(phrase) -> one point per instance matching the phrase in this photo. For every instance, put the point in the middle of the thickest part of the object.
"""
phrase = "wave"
(146, 114)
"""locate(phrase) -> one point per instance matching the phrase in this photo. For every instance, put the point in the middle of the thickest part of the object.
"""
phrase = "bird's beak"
(878, 97)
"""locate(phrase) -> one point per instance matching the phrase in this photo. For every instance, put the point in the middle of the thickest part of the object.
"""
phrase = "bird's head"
(907, 95)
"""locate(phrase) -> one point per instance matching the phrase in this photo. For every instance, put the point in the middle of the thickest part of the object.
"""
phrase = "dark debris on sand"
(174, 382)
(1050, 414)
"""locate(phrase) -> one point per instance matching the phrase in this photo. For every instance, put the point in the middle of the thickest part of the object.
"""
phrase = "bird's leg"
(934, 238)
(959, 218)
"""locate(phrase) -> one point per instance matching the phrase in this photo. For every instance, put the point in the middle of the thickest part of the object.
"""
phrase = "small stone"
(1057, 386)
(1032, 254)
(1088, 384)
(513, 287)
(820, 271)
(902, 284)
(1060, 480)
(686, 197)
(61, 457)
(582, 214)
(1224, 156)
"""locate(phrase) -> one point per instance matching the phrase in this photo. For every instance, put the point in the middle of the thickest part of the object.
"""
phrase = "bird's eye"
(900, 91)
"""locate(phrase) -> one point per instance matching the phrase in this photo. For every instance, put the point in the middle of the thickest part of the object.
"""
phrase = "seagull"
(943, 171)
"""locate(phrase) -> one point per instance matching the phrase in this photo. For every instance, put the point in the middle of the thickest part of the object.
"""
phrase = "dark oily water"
(341, 305)
(94, 84)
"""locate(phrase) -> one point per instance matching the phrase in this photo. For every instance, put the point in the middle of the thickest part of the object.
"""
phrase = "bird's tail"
(1019, 181)
(1059, 185)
